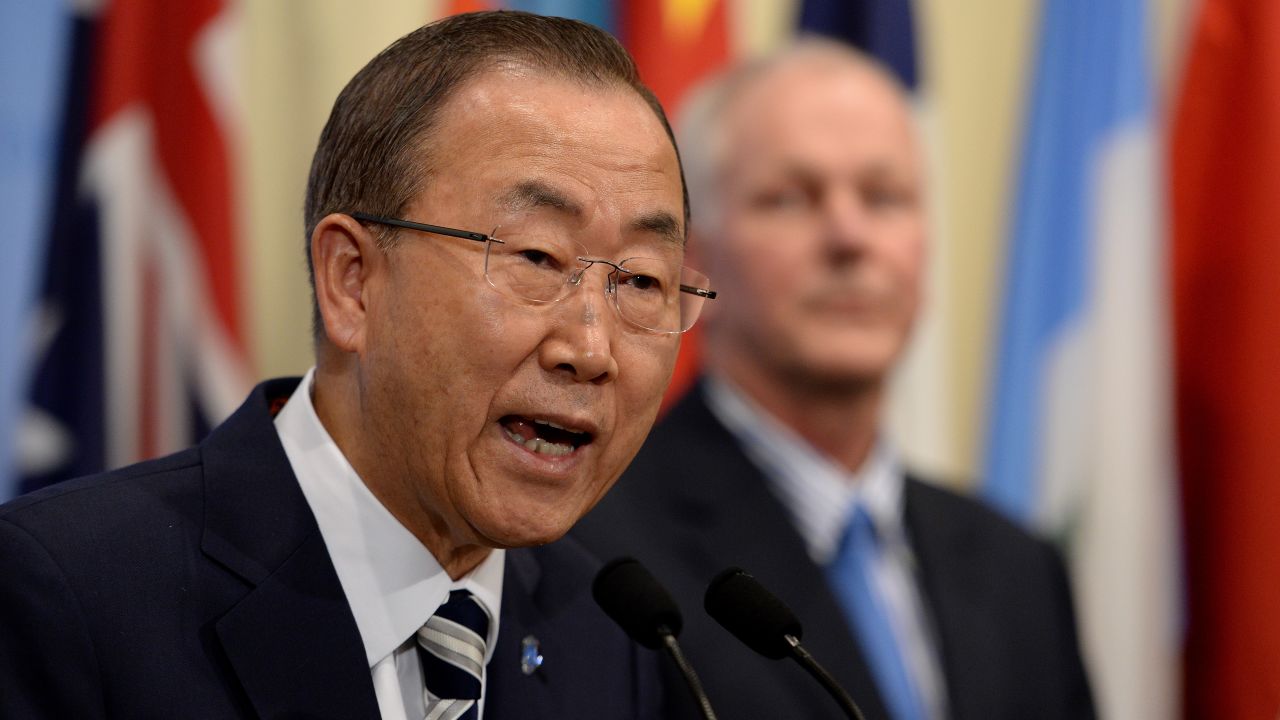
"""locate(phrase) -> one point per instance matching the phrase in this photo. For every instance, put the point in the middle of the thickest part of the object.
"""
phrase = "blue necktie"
(864, 606)
(451, 647)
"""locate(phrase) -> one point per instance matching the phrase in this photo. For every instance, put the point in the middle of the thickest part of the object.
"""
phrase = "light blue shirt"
(819, 495)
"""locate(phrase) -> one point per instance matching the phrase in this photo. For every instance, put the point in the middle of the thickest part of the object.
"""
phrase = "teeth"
(541, 446)
(548, 423)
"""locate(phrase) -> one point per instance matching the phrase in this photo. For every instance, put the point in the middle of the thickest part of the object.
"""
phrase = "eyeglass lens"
(545, 269)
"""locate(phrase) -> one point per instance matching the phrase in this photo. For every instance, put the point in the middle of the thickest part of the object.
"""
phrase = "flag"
(1225, 172)
(883, 29)
(1079, 443)
(676, 44)
(137, 339)
(34, 40)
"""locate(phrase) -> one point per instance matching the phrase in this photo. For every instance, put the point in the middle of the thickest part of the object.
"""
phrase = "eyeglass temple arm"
(700, 292)
(423, 227)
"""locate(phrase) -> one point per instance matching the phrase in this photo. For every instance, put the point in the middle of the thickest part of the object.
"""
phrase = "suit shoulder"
(933, 497)
(74, 490)
(929, 504)
(98, 510)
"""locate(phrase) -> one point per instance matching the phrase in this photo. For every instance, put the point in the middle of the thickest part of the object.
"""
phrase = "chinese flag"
(676, 43)
(1226, 282)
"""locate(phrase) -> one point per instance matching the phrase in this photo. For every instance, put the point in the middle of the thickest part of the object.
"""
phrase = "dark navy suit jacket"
(692, 503)
(198, 586)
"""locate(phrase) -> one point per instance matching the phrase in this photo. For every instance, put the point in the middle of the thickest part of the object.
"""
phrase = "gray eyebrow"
(662, 223)
(531, 194)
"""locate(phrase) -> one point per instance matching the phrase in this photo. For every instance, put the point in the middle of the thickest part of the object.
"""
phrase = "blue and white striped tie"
(451, 646)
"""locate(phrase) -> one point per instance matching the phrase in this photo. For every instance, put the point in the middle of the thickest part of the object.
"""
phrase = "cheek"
(904, 256)
(762, 271)
(495, 334)
(645, 365)
(451, 352)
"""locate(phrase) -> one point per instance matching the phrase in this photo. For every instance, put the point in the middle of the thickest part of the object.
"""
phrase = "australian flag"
(138, 342)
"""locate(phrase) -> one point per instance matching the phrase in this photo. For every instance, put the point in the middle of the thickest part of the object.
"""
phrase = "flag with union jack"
(139, 348)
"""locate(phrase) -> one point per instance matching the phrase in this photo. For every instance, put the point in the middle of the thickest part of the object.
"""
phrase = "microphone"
(765, 624)
(629, 594)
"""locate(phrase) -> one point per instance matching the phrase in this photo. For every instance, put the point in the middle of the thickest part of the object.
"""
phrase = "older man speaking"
(495, 224)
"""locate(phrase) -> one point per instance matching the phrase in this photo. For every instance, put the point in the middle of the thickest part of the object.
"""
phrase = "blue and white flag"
(1079, 444)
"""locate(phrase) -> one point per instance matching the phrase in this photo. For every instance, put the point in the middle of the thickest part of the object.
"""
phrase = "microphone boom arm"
(820, 674)
(686, 670)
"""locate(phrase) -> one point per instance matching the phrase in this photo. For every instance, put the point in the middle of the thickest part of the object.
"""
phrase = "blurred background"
(1099, 356)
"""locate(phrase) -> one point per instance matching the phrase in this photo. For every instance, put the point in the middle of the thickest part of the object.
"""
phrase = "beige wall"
(298, 55)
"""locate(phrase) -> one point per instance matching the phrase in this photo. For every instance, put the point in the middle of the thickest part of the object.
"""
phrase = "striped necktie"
(864, 605)
(451, 647)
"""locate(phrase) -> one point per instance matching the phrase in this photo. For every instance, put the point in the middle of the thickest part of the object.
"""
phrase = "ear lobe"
(344, 256)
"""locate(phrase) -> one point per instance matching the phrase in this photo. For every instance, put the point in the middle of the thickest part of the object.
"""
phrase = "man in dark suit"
(349, 545)
(806, 179)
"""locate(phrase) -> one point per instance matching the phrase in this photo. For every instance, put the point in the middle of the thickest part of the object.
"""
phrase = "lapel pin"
(530, 655)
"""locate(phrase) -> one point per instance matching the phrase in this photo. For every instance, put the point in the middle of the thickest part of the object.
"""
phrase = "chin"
(839, 376)
(524, 530)
(855, 360)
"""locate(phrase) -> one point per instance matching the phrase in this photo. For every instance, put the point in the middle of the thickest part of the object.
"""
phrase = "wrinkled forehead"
(553, 151)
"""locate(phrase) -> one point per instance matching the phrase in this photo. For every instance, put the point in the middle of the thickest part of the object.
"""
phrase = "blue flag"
(880, 28)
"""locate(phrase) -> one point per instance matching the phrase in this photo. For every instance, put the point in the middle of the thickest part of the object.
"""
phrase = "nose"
(845, 223)
(582, 340)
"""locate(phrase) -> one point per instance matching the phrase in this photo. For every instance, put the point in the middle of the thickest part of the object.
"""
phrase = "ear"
(345, 258)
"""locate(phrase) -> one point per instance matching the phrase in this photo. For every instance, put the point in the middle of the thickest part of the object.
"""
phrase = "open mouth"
(543, 436)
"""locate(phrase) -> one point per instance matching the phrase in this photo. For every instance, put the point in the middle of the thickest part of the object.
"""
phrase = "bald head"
(758, 95)
(805, 175)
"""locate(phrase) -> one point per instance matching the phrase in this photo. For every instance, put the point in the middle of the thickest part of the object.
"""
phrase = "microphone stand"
(820, 674)
(690, 677)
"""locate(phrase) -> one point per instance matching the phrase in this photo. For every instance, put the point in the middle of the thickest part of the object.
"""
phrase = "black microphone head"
(753, 614)
(629, 594)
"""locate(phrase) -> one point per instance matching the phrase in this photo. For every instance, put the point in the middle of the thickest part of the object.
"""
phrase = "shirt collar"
(818, 493)
(392, 582)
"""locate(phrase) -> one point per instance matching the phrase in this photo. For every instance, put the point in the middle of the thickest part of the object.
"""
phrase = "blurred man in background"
(806, 176)
(357, 543)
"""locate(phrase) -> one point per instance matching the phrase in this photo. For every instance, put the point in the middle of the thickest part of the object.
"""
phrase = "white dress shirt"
(391, 581)
(819, 495)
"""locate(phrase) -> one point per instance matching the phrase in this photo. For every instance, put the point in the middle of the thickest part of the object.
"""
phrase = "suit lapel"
(956, 589)
(590, 669)
(509, 692)
(758, 536)
(294, 645)
(291, 640)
